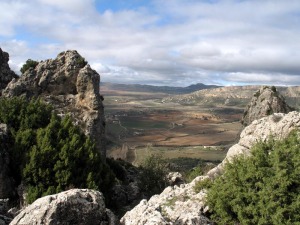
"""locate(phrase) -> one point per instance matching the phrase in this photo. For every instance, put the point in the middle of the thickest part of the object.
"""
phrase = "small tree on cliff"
(29, 64)
(152, 179)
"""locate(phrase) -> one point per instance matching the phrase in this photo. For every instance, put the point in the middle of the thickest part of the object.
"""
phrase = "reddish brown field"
(137, 122)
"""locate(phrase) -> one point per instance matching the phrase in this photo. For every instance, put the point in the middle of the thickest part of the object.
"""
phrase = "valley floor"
(139, 124)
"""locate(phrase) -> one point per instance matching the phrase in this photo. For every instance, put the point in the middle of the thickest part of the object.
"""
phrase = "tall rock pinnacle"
(265, 102)
(71, 86)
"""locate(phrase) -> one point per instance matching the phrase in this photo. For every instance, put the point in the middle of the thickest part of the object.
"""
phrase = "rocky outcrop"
(71, 86)
(175, 178)
(6, 74)
(75, 206)
(265, 102)
(6, 182)
(279, 125)
(178, 205)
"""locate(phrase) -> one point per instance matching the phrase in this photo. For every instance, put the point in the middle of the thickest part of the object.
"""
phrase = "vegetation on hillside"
(152, 179)
(261, 189)
(50, 154)
(29, 64)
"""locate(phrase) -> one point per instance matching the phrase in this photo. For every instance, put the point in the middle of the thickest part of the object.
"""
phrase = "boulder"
(71, 86)
(6, 74)
(75, 206)
(175, 178)
(265, 102)
(175, 205)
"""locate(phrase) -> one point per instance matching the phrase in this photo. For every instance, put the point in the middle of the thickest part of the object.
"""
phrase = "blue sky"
(161, 42)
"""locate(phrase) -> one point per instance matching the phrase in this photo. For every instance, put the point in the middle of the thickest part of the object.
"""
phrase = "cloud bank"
(161, 42)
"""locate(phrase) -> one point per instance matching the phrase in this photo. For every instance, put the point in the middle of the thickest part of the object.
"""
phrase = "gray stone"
(278, 125)
(175, 178)
(265, 102)
(179, 205)
(75, 206)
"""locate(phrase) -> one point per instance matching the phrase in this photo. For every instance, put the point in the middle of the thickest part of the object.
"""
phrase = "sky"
(161, 42)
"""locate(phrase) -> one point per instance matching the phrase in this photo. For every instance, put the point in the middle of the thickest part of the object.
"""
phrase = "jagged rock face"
(6, 182)
(265, 102)
(71, 86)
(6, 74)
(75, 206)
(279, 125)
(178, 205)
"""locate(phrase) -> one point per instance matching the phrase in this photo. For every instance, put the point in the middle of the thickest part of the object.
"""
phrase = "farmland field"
(139, 124)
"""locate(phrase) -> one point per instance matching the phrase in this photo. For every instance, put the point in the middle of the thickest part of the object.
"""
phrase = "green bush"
(81, 62)
(29, 64)
(152, 178)
(203, 184)
(261, 189)
(193, 173)
(199, 170)
(51, 154)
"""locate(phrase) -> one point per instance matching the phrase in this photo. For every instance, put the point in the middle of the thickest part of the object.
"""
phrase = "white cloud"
(258, 78)
(72, 6)
(174, 42)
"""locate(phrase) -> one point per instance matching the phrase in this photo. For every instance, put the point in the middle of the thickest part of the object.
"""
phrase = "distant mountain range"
(105, 86)
(232, 96)
(205, 95)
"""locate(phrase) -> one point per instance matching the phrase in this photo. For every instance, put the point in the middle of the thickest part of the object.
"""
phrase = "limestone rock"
(6, 74)
(279, 125)
(175, 178)
(7, 186)
(175, 205)
(75, 206)
(71, 86)
(265, 101)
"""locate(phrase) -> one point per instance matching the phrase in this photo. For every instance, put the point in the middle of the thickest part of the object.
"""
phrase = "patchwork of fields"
(139, 124)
